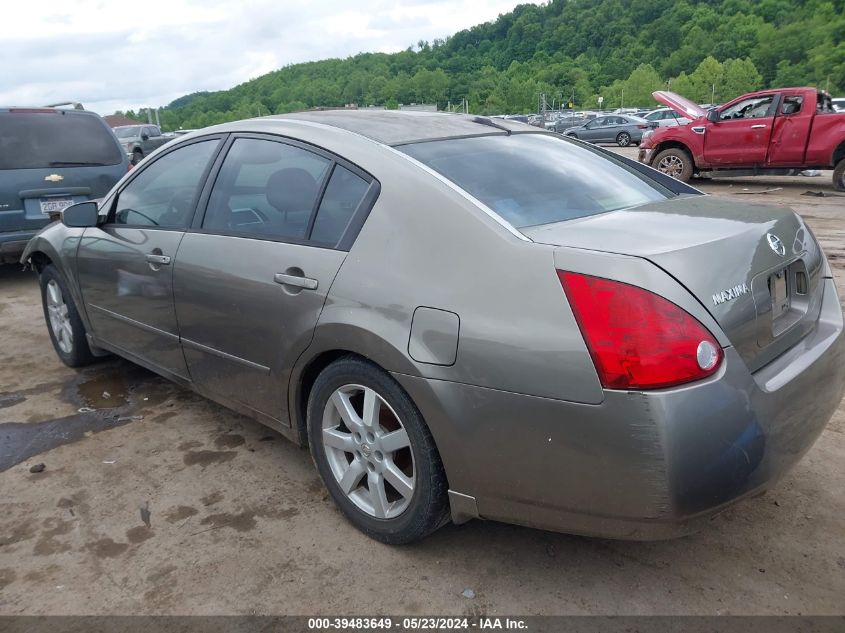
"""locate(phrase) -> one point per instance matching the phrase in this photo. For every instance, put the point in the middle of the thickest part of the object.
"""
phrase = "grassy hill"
(569, 49)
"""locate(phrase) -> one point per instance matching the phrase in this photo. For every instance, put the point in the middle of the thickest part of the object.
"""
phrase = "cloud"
(111, 56)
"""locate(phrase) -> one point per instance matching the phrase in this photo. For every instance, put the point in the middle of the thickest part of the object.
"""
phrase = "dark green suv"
(51, 158)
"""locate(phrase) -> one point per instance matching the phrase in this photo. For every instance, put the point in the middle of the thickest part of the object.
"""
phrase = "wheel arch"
(838, 154)
(673, 144)
(324, 350)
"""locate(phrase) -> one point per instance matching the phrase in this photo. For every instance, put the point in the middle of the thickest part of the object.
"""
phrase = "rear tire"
(674, 162)
(572, 136)
(66, 329)
(383, 470)
(839, 176)
(623, 139)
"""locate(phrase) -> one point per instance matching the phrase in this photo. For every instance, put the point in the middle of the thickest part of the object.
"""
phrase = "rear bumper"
(640, 465)
(13, 243)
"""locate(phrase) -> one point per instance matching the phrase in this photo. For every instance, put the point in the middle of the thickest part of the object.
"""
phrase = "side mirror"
(145, 137)
(713, 115)
(653, 124)
(80, 215)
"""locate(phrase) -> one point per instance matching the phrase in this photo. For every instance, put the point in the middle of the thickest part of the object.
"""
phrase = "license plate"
(779, 289)
(55, 205)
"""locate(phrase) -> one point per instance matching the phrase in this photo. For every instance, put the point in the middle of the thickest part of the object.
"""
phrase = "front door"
(252, 276)
(125, 266)
(741, 136)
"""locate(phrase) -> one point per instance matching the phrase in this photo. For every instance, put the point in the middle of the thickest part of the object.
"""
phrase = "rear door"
(741, 136)
(252, 275)
(125, 266)
(791, 130)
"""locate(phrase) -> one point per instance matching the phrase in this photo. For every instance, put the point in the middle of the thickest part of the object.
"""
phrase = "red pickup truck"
(772, 132)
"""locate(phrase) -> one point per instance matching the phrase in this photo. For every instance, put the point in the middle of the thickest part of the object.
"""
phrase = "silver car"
(665, 117)
(463, 318)
(617, 128)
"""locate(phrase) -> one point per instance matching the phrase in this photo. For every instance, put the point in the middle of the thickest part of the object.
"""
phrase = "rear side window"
(344, 193)
(266, 189)
(531, 179)
(55, 138)
(163, 194)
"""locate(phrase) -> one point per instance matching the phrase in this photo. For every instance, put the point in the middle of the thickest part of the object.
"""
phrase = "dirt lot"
(240, 523)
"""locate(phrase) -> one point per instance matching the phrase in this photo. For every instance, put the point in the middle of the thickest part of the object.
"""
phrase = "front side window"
(753, 108)
(164, 193)
(266, 189)
(531, 179)
(127, 132)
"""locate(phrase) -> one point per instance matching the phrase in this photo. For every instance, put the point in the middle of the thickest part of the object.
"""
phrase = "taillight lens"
(638, 340)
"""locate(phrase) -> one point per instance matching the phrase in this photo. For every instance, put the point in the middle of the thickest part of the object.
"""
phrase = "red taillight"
(637, 339)
(643, 127)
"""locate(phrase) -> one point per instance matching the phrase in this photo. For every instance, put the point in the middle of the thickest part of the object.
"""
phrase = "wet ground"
(153, 500)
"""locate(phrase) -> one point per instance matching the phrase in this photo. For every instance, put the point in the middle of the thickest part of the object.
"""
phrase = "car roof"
(45, 109)
(392, 127)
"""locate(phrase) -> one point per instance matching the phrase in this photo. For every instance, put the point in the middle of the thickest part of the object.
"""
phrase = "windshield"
(531, 179)
(127, 132)
(33, 140)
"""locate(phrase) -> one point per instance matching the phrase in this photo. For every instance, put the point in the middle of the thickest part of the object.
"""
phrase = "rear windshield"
(31, 140)
(531, 179)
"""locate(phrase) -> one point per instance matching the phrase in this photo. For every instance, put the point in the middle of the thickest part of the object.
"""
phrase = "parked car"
(50, 158)
(463, 317)
(774, 132)
(140, 140)
(619, 129)
(665, 117)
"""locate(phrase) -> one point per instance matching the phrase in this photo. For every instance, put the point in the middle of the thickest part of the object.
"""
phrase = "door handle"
(759, 126)
(295, 280)
(159, 260)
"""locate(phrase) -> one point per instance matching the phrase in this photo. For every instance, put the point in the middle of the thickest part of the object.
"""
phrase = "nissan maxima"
(463, 317)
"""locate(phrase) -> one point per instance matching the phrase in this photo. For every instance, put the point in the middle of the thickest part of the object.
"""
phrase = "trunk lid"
(683, 106)
(726, 254)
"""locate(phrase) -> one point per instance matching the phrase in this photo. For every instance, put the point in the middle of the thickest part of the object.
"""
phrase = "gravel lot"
(240, 523)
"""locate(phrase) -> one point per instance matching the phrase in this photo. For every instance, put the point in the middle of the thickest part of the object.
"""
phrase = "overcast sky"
(118, 55)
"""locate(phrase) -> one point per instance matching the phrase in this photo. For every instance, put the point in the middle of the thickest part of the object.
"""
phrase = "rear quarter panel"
(826, 134)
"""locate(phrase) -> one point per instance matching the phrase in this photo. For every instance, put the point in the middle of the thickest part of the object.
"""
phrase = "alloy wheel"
(671, 166)
(59, 318)
(624, 139)
(368, 451)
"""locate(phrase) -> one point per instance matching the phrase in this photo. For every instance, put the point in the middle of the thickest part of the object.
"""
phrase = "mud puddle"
(104, 396)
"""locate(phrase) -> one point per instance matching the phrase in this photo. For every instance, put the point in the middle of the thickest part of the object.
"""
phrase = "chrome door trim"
(220, 354)
(138, 324)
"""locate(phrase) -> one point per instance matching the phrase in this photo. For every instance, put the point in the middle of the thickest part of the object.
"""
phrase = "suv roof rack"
(75, 104)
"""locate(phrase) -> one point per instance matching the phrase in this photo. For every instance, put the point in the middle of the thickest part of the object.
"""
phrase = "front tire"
(623, 139)
(674, 162)
(137, 155)
(67, 331)
(375, 454)
(839, 176)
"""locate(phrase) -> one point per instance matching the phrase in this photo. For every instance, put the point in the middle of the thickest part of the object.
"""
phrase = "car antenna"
(483, 120)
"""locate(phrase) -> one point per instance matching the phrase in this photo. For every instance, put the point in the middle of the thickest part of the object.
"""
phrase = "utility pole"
(713, 95)
(158, 122)
(622, 100)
